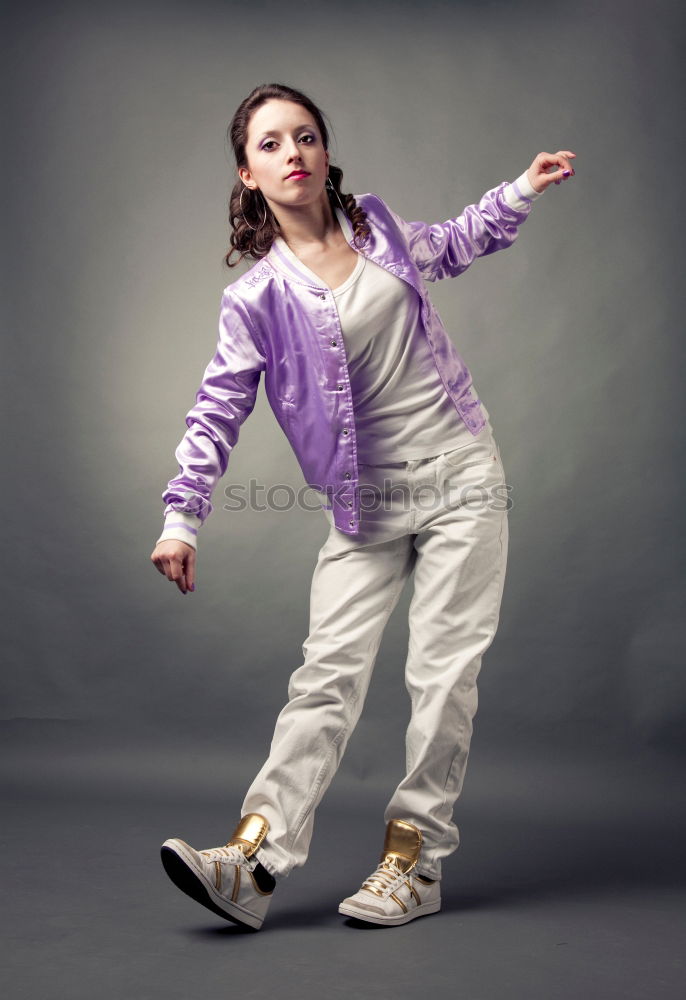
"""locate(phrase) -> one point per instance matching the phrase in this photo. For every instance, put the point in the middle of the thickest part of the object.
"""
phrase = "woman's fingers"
(562, 160)
(177, 573)
(177, 562)
(190, 570)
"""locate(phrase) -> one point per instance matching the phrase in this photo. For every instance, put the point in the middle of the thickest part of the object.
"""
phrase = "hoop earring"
(264, 221)
(330, 186)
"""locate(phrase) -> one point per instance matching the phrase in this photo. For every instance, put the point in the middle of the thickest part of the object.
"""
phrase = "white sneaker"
(394, 893)
(223, 878)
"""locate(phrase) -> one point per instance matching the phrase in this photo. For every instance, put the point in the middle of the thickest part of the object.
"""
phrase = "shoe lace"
(385, 879)
(230, 855)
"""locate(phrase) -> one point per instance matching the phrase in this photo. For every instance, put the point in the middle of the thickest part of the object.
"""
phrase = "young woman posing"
(383, 416)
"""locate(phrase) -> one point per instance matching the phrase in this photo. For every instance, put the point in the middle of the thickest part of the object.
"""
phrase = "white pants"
(445, 518)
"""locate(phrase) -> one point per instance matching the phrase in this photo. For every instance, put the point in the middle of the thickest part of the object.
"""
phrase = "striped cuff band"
(519, 194)
(181, 526)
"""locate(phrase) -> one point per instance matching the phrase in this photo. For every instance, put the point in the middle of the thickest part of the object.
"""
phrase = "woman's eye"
(271, 142)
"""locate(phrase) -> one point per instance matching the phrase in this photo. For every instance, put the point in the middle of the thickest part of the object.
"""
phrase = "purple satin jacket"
(273, 321)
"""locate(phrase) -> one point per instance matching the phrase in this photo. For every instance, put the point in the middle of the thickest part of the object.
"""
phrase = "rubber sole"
(185, 879)
(403, 918)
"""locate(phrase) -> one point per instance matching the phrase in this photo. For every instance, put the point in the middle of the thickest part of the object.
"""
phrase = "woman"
(382, 414)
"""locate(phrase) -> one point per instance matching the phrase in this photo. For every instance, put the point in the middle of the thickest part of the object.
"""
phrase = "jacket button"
(345, 430)
(351, 523)
(334, 343)
(323, 295)
(339, 387)
(347, 475)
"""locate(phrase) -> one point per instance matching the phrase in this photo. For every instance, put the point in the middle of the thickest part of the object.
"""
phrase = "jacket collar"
(382, 251)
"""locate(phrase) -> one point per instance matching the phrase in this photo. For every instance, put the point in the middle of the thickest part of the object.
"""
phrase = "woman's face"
(283, 137)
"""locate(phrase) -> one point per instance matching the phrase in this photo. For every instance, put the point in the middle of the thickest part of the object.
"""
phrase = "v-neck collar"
(285, 256)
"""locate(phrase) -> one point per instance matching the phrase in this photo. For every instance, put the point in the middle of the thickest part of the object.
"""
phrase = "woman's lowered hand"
(176, 560)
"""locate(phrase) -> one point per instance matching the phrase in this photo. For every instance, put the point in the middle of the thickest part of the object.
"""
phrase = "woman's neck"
(309, 227)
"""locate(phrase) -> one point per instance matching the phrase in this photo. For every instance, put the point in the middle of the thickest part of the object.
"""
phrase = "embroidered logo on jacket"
(262, 272)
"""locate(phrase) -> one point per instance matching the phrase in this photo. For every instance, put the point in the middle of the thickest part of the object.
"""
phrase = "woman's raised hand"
(539, 173)
(176, 560)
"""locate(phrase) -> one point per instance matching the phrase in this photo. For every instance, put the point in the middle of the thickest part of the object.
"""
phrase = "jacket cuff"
(181, 526)
(519, 194)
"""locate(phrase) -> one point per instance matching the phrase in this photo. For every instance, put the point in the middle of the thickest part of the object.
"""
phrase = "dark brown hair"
(256, 242)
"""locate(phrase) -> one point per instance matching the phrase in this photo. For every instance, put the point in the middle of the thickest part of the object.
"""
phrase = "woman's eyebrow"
(275, 131)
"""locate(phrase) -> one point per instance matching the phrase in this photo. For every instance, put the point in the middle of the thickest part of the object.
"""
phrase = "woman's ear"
(244, 175)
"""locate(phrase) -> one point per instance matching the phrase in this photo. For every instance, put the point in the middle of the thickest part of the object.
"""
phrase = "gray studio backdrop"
(118, 172)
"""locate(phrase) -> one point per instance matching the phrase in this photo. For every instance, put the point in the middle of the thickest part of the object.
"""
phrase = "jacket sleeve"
(446, 249)
(225, 399)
